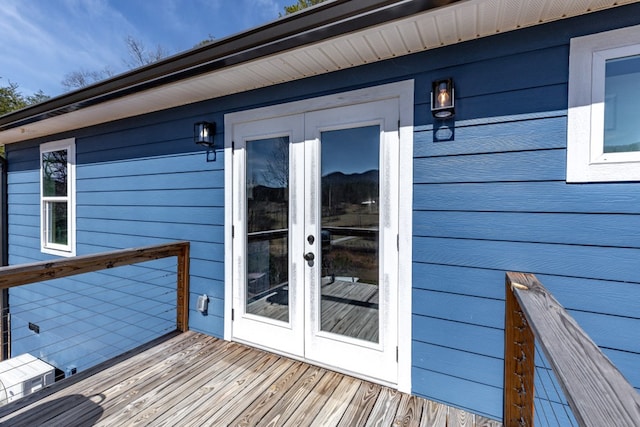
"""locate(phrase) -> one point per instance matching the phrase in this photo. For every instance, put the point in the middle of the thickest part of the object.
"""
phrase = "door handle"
(309, 256)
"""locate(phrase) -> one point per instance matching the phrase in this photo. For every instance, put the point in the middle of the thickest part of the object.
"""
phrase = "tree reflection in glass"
(54, 193)
(267, 189)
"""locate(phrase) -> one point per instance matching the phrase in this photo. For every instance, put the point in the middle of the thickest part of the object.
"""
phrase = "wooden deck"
(190, 379)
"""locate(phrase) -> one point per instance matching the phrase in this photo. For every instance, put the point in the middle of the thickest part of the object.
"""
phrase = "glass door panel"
(315, 236)
(351, 165)
(350, 180)
(267, 192)
(267, 224)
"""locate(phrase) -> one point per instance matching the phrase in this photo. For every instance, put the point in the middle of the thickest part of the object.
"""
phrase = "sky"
(43, 40)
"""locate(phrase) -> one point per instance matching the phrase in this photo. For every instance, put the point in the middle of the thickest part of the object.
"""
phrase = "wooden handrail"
(597, 392)
(24, 274)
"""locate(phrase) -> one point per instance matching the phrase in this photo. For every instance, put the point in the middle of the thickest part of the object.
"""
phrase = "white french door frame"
(403, 92)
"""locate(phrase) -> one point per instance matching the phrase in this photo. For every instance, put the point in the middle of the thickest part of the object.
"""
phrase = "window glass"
(54, 173)
(56, 222)
(622, 105)
(267, 190)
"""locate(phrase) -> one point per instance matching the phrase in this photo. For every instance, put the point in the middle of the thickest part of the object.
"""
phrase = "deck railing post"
(182, 301)
(519, 364)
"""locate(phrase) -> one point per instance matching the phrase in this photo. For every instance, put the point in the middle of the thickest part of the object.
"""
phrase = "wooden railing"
(24, 274)
(596, 391)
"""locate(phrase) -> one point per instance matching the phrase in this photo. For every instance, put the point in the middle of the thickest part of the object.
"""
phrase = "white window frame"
(69, 249)
(586, 159)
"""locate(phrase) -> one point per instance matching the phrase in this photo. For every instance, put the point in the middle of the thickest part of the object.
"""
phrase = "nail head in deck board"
(190, 379)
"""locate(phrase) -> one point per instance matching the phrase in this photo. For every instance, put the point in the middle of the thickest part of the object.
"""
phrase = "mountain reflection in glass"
(267, 190)
(350, 223)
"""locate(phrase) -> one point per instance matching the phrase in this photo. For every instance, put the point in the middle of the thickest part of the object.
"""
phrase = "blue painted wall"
(489, 196)
(139, 182)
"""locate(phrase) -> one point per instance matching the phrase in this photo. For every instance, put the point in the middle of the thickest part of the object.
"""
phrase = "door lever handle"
(309, 256)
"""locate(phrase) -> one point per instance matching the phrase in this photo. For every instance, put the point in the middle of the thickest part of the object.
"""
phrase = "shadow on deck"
(190, 379)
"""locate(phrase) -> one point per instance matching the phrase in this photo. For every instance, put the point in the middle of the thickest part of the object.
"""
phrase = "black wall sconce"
(442, 99)
(203, 133)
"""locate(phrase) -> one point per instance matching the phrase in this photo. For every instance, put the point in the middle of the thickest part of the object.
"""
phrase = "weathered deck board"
(190, 379)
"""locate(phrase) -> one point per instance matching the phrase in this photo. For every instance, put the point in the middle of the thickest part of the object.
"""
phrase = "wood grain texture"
(519, 367)
(597, 393)
(190, 379)
(23, 274)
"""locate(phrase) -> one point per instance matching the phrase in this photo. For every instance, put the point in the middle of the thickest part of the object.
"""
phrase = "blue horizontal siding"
(460, 308)
(514, 133)
(553, 197)
(187, 214)
(590, 262)
(175, 197)
(510, 166)
(481, 340)
(153, 166)
(479, 369)
(458, 280)
(618, 230)
(459, 392)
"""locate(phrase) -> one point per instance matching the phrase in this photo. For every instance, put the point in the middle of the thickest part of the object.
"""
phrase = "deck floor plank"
(241, 396)
(315, 400)
(155, 382)
(261, 406)
(335, 407)
(434, 415)
(409, 411)
(385, 409)
(280, 413)
(206, 401)
(190, 379)
(359, 408)
(148, 403)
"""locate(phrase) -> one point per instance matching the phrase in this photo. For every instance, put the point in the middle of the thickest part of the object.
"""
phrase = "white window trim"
(586, 160)
(55, 249)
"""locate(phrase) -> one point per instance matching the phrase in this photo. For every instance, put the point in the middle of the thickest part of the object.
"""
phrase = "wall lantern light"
(442, 101)
(203, 133)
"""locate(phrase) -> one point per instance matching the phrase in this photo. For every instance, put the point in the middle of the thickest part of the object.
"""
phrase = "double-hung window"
(57, 188)
(604, 107)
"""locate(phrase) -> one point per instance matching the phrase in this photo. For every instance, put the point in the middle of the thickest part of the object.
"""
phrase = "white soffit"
(448, 25)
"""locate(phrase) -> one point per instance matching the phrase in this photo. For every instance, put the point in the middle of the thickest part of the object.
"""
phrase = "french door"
(315, 236)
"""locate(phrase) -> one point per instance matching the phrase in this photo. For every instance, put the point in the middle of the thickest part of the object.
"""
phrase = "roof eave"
(326, 20)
